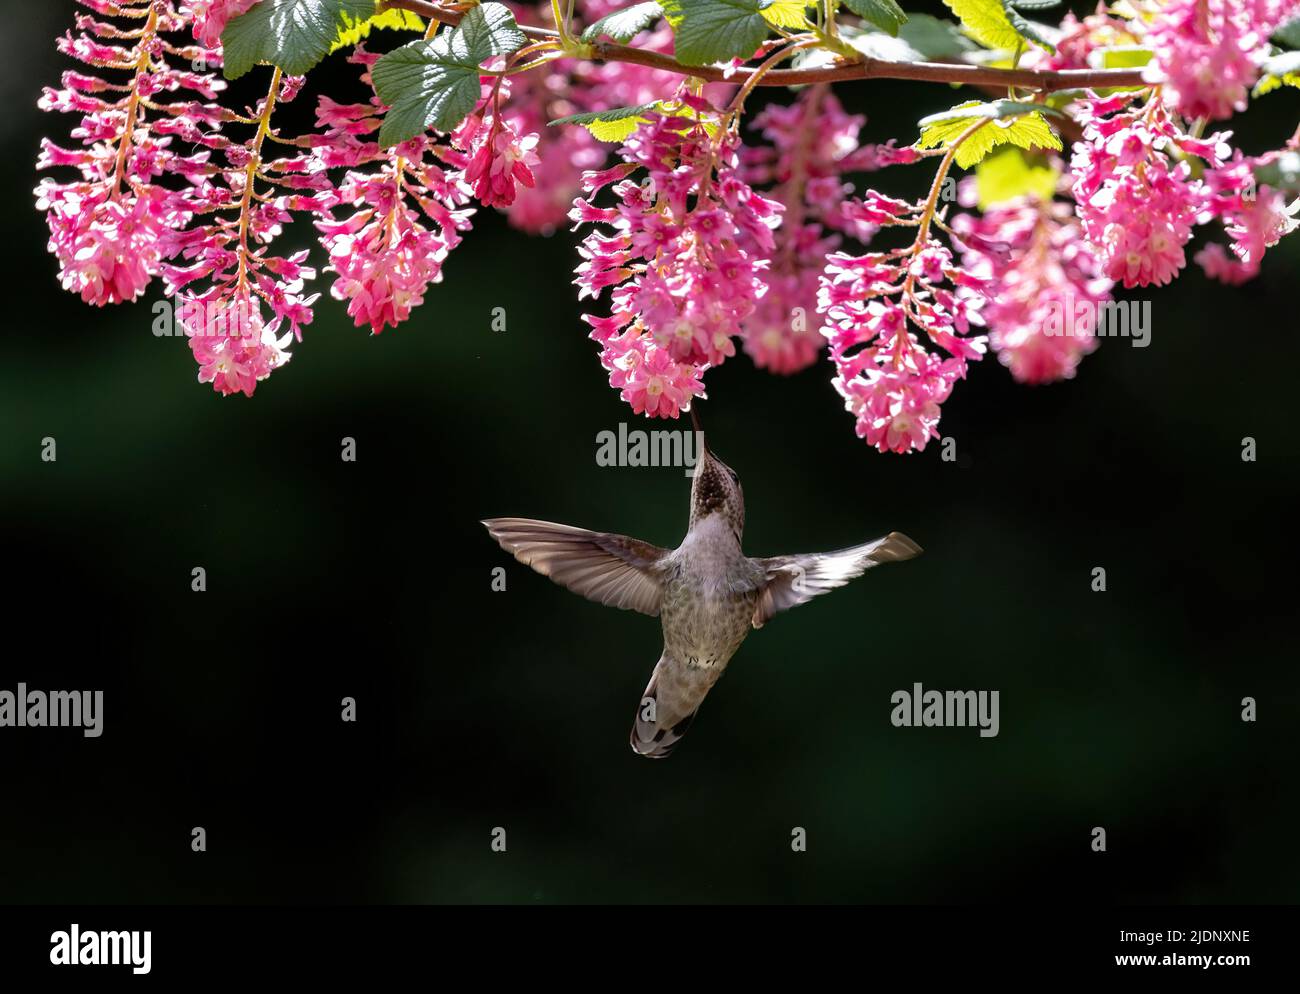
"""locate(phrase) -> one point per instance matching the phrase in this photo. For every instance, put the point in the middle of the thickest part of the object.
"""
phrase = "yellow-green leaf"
(986, 22)
(1268, 83)
(1007, 175)
(358, 28)
(785, 13)
(1027, 129)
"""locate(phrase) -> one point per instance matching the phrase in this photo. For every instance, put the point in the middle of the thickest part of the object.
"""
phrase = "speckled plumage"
(707, 593)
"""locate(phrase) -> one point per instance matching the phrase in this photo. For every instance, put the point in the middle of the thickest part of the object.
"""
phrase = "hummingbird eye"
(732, 473)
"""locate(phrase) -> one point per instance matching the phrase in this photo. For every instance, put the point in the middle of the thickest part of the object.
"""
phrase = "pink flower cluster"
(106, 227)
(385, 253)
(1254, 216)
(1043, 276)
(683, 257)
(1136, 201)
(891, 382)
(811, 144)
(232, 342)
(1207, 52)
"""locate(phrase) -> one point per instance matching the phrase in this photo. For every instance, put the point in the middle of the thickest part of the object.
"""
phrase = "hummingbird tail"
(667, 709)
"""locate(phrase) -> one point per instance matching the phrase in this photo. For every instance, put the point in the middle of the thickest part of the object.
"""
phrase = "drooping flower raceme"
(1138, 199)
(106, 228)
(813, 143)
(891, 382)
(387, 252)
(1207, 53)
(226, 275)
(1044, 284)
(682, 278)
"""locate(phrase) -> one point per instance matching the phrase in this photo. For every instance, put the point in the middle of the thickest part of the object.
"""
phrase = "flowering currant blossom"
(891, 382)
(210, 17)
(1207, 52)
(682, 279)
(235, 346)
(106, 228)
(1138, 204)
(1044, 284)
(385, 254)
(812, 144)
(1255, 216)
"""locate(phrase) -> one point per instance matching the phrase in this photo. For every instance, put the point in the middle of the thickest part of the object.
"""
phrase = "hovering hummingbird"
(706, 592)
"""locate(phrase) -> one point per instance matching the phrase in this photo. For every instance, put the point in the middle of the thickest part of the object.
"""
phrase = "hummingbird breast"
(708, 598)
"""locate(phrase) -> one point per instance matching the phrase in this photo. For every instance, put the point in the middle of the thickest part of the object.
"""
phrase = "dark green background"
(481, 709)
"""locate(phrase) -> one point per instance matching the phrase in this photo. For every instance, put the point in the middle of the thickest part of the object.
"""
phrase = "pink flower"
(386, 253)
(107, 247)
(1043, 274)
(1207, 54)
(211, 16)
(682, 256)
(499, 160)
(890, 382)
(1137, 206)
(234, 349)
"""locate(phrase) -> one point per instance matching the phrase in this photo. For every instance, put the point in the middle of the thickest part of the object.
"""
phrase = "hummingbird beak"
(695, 422)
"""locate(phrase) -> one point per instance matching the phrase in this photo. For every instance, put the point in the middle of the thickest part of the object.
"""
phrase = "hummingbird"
(707, 593)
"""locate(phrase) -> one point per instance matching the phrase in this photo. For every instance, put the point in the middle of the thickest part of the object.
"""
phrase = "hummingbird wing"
(795, 580)
(610, 569)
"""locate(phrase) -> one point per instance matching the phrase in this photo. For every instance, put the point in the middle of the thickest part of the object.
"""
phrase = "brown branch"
(1043, 80)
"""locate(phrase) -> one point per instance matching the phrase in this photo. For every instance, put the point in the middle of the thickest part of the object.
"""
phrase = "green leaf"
(1007, 174)
(1026, 127)
(990, 23)
(436, 83)
(1040, 34)
(716, 30)
(624, 25)
(786, 14)
(292, 34)
(1125, 57)
(393, 19)
(884, 14)
(1289, 33)
(935, 39)
(611, 125)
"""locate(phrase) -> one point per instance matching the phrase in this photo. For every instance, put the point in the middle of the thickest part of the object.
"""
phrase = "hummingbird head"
(716, 490)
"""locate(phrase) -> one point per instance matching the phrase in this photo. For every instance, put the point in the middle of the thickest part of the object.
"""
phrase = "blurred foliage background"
(480, 709)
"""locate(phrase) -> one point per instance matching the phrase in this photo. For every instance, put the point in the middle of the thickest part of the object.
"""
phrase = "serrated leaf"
(291, 34)
(934, 38)
(1007, 175)
(611, 125)
(707, 31)
(393, 19)
(988, 23)
(436, 83)
(624, 25)
(884, 14)
(1268, 83)
(1026, 128)
(1040, 34)
(785, 13)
